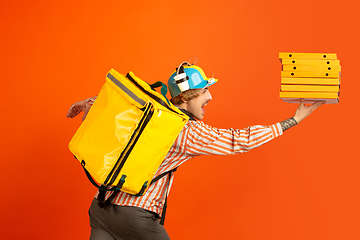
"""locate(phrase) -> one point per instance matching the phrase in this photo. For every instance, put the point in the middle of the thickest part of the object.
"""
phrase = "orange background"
(303, 185)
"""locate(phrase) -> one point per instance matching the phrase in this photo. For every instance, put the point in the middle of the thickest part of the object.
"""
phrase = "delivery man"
(137, 217)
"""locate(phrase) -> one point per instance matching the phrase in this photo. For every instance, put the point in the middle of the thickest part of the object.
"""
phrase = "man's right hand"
(77, 108)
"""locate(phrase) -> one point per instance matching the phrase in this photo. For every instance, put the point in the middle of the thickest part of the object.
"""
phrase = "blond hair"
(187, 95)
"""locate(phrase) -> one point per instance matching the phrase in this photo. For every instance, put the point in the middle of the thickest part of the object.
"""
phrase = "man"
(137, 217)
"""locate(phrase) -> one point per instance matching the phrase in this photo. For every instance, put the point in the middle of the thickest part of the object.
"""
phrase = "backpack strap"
(191, 117)
(159, 100)
(102, 191)
(162, 175)
(162, 219)
(163, 89)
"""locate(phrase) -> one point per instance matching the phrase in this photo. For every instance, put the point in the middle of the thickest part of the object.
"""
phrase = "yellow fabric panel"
(111, 128)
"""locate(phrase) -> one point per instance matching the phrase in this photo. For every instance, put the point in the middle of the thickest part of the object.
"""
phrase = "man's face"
(196, 105)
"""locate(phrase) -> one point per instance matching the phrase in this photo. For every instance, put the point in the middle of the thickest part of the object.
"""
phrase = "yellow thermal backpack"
(126, 134)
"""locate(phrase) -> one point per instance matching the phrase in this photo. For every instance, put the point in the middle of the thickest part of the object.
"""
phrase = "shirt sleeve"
(206, 140)
(90, 101)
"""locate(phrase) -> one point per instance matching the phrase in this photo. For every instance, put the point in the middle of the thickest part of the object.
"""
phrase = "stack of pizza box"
(311, 76)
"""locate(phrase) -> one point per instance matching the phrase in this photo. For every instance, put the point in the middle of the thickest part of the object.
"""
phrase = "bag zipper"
(148, 113)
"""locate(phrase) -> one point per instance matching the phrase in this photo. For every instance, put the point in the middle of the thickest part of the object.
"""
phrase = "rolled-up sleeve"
(206, 140)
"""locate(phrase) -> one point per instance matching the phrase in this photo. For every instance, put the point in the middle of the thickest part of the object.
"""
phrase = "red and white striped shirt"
(195, 139)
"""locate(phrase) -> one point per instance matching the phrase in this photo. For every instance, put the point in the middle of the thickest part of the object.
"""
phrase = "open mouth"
(203, 106)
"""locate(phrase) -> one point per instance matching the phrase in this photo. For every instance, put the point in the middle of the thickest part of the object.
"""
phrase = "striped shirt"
(195, 139)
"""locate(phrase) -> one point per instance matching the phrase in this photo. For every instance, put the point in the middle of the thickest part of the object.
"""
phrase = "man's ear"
(183, 99)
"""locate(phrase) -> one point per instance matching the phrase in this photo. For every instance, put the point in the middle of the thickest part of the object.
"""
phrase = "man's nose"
(208, 95)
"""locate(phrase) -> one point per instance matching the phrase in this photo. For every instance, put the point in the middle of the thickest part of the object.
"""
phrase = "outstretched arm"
(301, 113)
(81, 106)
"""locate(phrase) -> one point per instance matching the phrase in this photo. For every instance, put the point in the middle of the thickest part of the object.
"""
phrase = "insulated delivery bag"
(126, 134)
